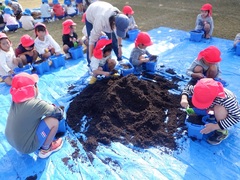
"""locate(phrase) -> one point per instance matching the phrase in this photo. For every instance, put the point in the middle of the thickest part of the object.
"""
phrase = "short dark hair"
(40, 28)
(107, 48)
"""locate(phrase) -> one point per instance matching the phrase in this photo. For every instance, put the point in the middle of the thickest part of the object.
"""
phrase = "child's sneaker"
(92, 80)
(217, 137)
(55, 146)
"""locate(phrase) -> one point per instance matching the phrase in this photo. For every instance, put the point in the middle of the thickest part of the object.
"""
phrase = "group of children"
(29, 49)
(205, 92)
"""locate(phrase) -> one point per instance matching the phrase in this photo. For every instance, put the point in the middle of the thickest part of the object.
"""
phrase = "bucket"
(27, 69)
(195, 128)
(58, 61)
(76, 53)
(238, 49)
(126, 68)
(133, 34)
(151, 66)
(196, 35)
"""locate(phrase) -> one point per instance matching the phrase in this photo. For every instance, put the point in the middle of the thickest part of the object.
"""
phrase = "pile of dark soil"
(128, 110)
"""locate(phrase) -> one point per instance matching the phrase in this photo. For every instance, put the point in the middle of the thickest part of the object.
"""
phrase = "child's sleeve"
(211, 26)
(198, 24)
(189, 71)
(54, 44)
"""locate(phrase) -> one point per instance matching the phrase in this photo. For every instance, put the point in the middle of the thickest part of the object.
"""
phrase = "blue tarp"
(194, 160)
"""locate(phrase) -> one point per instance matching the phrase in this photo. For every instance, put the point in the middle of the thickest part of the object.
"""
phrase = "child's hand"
(57, 53)
(184, 103)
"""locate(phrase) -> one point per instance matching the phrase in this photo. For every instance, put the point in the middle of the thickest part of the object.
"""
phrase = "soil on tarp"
(128, 110)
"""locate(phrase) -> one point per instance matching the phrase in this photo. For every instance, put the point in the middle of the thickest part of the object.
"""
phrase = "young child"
(10, 20)
(27, 20)
(236, 40)
(45, 45)
(25, 50)
(70, 38)
(127, 10)
(32, 123)
(2, 7)
(139, 54)
(210, 95)
(204, 21)
(46, 12)
(101, 61)
(205, 65)
(2, 23)
(70, 9)
(80, 6)
(58, 10)
(16, 7)
(8, 60)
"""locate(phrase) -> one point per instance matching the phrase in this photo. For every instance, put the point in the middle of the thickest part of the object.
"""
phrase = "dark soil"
(128, 110)
(195, 119)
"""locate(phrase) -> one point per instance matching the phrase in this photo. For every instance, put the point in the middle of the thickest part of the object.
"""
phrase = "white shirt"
(48, 41)
(95, 63)
(6, 61)
(27, 22)
(9, 20)
(98, 14)
(45, 10)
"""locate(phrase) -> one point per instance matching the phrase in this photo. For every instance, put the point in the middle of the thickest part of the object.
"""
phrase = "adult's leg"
(114, 44)
(89, 27)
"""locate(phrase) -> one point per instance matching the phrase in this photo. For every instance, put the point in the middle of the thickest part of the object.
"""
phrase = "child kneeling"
(101, 62)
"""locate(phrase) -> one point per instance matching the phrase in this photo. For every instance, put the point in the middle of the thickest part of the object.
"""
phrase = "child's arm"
(54, 44)
(187, 91)
(198, 24)
(4, 65)
(192, 74)
(211, 26)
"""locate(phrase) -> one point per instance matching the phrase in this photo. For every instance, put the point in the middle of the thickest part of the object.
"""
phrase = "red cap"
(84, 17)
(26, 40)
(66, 26)
(143, 38)
(205, 91)
(207, 7)
(98, 50)
(3, 35)
(23, 87)
(40, 24)
(128, 10)
(210, 54)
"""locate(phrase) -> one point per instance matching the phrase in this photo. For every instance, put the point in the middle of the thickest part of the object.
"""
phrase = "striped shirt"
(230, 103)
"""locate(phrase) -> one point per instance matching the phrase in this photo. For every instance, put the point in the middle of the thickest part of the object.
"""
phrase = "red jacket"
(58, 10)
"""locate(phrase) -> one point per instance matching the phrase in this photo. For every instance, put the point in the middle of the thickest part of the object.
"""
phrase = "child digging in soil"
(208, 95)
(139, 54)
(204, 21)
(70, 38)
(32, 123)
(101, 62)
(205, 65)
(8, 60)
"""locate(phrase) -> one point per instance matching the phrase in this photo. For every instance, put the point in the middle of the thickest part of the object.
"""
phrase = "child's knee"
(198, 69)
(220, 112)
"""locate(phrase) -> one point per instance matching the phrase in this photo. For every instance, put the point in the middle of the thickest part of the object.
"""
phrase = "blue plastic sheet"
(194, 160)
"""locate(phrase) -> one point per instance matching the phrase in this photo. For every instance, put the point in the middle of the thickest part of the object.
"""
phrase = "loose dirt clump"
(128, 110)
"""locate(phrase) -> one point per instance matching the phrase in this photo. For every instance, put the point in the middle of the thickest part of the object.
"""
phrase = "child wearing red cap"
(70, 38)
(8, 60)
(210, 95)
(32, 123)
(128, 11)
(45, 45)
(101, 62)
(205, 65)
(140, 54)
(59, 11)
(25, 50)
(204, 21)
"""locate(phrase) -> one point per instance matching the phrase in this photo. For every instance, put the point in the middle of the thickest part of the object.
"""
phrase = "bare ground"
(149, 14)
